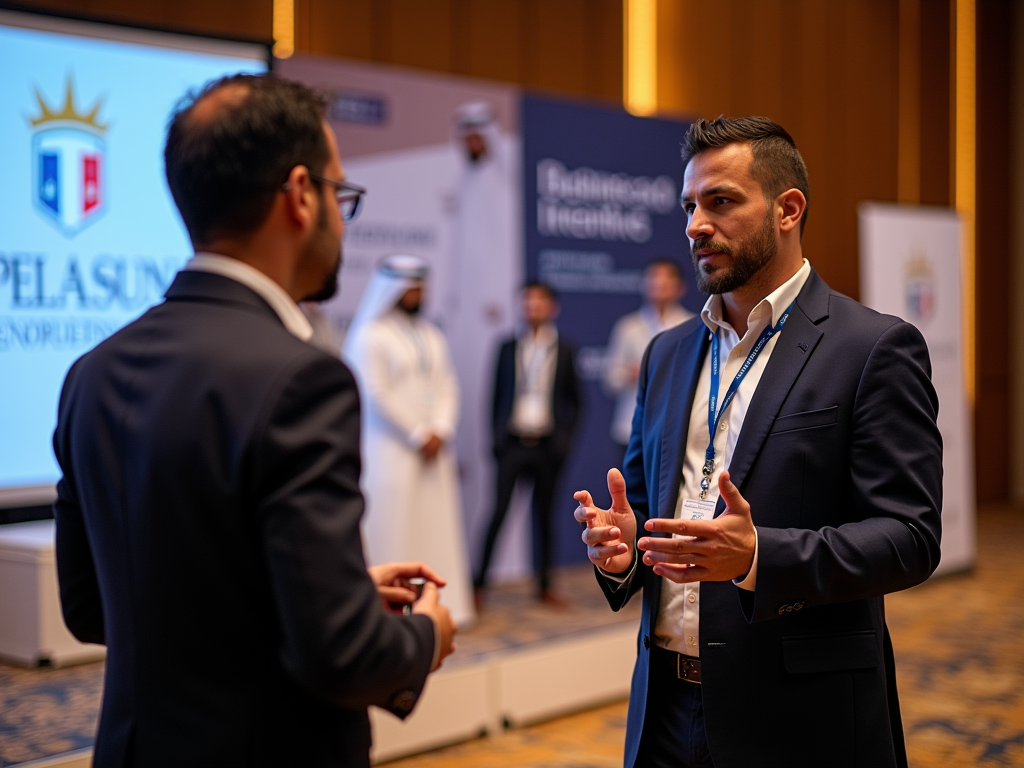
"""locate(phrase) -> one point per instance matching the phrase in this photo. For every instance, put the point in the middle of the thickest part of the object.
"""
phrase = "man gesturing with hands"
(784, 473)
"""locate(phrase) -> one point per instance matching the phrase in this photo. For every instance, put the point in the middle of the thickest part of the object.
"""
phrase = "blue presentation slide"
(89, 236)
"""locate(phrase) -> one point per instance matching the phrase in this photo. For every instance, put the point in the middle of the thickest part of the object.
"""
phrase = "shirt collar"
(234, 269)
(771, 306)
(547, 335)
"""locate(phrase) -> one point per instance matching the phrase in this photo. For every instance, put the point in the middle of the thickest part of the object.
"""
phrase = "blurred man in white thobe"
(411, 406)
(485, 273)
(663, 289)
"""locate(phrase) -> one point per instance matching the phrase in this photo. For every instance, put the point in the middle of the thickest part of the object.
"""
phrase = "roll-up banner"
(601, 200)
(910, 267)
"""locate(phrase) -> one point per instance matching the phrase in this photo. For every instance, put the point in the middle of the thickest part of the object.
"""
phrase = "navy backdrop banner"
(601, 199)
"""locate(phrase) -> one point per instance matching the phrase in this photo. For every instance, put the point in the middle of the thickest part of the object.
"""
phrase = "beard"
(749, 257)
(412, 309)
(323, 240)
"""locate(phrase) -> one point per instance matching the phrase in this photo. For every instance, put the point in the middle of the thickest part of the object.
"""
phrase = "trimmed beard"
(749, 257)
(330, 285)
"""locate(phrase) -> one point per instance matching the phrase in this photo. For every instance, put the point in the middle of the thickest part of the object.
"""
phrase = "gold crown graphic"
(919, 265)
(68, 113)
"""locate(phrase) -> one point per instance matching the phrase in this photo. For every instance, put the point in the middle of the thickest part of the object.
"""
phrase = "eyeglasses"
(349, 196)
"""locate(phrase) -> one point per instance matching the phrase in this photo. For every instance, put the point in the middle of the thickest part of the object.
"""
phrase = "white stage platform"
(511, 688)
(521, 663)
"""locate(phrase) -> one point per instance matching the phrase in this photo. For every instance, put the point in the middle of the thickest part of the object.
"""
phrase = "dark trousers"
(673, 734)
(520, 458)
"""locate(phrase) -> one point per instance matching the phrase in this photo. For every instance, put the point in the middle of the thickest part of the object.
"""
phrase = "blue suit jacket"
(840, 459)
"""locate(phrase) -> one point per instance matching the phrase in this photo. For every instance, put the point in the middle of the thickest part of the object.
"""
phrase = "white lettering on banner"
(587, 272)
(375, 234)
(585, 204)
(591, 362)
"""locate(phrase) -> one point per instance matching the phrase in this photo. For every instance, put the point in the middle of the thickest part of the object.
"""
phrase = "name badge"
(699, 509)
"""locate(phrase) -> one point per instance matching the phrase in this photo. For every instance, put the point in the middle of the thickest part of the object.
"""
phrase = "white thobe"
(413, 510)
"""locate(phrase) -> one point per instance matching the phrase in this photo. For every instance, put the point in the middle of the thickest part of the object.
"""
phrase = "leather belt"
(669, 662)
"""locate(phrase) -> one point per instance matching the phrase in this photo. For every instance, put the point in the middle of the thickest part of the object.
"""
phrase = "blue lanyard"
(714, 413)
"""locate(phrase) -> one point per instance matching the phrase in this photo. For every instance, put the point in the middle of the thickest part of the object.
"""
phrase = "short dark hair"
(225, 169)
(777, 163)
(540, 285)
(664, 261)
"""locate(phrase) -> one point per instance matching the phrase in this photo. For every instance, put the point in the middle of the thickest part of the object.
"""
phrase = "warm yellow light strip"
(908, 163)
(640, 59)
(284, 28)
(965, 180)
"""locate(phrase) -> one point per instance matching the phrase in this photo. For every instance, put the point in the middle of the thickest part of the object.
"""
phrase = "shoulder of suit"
(848, 316)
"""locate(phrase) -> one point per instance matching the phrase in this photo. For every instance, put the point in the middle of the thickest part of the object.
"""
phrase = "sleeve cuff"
(621, 578)
(749, 582)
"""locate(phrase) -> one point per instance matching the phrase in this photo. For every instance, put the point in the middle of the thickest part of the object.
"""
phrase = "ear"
(301, 198)
(792, 203)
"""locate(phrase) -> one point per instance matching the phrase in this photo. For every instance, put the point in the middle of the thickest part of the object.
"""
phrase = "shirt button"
(691, 640)
(725, 426)
(692, 597)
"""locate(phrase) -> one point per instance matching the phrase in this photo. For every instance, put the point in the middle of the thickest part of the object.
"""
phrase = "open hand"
(610, 533)
(704, 550)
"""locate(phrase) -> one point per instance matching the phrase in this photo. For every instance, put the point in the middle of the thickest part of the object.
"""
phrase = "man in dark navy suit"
(535, 410)
(208, 514)
(784, 472)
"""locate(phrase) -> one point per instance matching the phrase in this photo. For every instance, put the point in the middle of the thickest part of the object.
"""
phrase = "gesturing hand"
(610, 533)
(708, 550)
(391, 580)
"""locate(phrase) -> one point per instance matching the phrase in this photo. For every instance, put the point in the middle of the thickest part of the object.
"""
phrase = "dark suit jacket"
(208, 534)
(565, 396)
(841, 461)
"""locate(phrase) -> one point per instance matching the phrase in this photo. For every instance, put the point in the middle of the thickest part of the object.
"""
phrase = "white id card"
(699, 509)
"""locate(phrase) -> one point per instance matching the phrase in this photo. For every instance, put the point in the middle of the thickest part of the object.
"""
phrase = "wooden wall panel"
(564, 46)
(827, 72)
(994, 67)
(230, 18)
(936, 174)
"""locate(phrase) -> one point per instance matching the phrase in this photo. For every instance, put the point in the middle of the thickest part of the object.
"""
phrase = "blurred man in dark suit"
(536, 407)
(208, 513)
(784, 472)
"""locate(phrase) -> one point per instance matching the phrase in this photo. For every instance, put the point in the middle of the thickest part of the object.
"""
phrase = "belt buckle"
(688, 669)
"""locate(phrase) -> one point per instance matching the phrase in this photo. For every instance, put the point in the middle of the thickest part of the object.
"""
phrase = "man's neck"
(659, 308)
(737, 305)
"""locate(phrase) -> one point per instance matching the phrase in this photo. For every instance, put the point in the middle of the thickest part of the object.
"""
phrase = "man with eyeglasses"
(208, 514)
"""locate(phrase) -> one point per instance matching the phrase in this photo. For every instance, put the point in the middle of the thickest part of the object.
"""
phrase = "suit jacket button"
(647, 642)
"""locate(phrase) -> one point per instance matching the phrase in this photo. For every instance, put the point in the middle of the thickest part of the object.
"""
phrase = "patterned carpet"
(960, 664)
(959, 646)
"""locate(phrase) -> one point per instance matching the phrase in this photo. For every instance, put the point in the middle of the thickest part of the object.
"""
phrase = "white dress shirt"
(536, 358)
(272, 293)
(629, 339)
(678, 625)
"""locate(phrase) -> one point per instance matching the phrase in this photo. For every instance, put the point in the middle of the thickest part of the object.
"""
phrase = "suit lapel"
(685, 373)
(794, 347)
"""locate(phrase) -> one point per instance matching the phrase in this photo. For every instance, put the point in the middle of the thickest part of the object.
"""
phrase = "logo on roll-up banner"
(920, 288)
(68, 163)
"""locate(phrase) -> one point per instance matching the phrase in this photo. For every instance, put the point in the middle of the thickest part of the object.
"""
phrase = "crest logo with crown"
(920, 287)
(68, 162)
